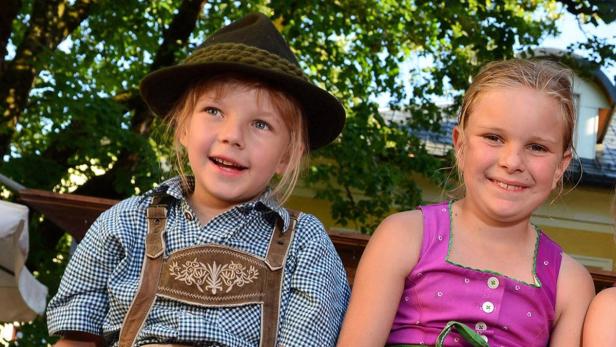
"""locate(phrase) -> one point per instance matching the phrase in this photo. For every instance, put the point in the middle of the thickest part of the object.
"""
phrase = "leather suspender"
(270, 281)
(276, 257)
(150, 273)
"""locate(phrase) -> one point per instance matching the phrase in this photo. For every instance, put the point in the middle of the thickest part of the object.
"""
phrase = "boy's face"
(236, 141)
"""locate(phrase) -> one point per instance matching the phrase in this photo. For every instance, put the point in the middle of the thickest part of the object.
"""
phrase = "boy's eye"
(213, 111)
(259, 124)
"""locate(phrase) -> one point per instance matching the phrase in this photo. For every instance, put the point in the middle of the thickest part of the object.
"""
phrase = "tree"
(72, 117)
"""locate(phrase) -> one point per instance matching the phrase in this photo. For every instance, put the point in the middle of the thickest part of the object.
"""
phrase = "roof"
(600, 172)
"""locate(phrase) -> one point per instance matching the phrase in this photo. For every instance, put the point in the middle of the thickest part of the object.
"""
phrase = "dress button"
(466, 280)
(493, 282)
(517, 287)
(481, 326)
(485, 338)
(487, 307)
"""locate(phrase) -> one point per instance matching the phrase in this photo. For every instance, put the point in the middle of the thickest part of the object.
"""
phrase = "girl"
(599, 328)
(213, 259)
(476, 270)
(599, 323)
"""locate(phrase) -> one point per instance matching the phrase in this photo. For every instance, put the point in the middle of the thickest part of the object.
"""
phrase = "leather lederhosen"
(209, 276)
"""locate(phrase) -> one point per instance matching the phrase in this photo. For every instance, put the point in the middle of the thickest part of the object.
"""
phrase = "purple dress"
(505, 311)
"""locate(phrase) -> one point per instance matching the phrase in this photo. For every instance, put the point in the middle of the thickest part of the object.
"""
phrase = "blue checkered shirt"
(102, 277)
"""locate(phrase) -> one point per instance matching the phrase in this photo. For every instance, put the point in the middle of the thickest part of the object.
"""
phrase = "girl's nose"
(512, 158)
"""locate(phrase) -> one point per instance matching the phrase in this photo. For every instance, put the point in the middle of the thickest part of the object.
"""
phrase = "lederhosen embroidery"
(209, 276)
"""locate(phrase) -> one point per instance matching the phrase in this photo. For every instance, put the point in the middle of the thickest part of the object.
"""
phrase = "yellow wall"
(581, 220)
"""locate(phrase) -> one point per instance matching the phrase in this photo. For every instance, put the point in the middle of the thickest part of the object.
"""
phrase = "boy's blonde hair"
(546, 76)
(285, 104)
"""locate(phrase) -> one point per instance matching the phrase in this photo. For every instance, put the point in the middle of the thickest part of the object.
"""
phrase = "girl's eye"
(213, 111)
(492, 137)
(538, 148)
(259, 124)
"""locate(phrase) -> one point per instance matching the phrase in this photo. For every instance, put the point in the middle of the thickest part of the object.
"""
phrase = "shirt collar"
(264, 202)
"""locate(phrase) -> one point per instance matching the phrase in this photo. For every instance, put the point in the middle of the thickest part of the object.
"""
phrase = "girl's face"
(511, 152)
(236, 141)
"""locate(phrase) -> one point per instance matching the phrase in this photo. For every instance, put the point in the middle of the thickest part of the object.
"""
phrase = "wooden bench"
(75, 213)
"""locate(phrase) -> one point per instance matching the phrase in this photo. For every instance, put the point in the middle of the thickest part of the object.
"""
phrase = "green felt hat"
(251, 46)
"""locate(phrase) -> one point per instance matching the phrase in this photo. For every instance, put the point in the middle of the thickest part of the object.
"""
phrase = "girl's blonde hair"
(546, 76)
(285, 104)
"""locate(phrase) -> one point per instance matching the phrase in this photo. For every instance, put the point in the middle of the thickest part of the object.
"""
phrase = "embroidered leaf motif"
(216, 277)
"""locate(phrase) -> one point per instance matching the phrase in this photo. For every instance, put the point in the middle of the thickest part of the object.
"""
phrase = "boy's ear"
(182, 138)
(562, 166)
(284, 162)
(458, 145)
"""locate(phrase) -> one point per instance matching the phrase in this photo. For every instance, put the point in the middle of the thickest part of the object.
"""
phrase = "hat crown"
(255, 30)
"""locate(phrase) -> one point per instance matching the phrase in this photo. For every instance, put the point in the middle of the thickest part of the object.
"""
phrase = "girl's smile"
(508, 185)
(511, 152)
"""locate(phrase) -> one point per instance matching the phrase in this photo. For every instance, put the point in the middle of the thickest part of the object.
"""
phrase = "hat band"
(247, 55)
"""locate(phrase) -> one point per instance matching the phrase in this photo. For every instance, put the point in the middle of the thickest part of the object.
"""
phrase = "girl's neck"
(480, 243)
(470, 218)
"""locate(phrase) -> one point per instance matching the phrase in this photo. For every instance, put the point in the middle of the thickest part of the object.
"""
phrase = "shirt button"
(481, 326)
(487, 307)
(493, 282)
(188, 215)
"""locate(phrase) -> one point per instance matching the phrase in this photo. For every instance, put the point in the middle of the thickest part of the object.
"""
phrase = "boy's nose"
(231, 133)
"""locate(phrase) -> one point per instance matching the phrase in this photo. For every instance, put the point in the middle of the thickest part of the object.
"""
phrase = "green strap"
(469, 335)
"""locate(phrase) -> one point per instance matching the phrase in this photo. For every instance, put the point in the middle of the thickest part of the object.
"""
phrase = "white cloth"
(22, 297)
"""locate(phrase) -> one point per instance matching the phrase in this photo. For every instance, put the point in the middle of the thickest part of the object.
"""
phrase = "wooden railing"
(350, 246)
(75, 213)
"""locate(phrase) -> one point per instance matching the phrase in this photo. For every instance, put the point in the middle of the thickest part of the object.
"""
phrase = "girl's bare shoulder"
(397, 240)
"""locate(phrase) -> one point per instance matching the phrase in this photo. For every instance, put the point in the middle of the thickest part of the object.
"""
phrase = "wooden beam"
(75, 213)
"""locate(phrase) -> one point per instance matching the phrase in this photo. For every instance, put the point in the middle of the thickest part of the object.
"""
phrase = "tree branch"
(174, 38)
(51, 23)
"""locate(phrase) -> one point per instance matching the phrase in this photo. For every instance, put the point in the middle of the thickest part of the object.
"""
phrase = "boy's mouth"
(226, 163)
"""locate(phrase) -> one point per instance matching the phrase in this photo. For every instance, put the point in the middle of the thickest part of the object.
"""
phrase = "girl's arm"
(575, 290)
(600, 323)
(390, 255)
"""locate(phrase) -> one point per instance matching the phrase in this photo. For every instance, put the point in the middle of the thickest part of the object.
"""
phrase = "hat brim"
(325, 115)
